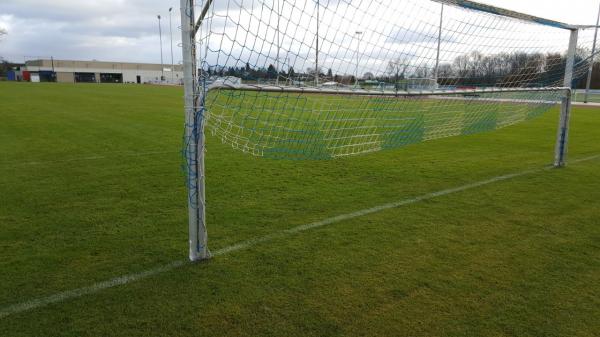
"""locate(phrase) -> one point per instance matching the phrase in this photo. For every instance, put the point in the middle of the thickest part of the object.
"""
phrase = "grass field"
(91, 188)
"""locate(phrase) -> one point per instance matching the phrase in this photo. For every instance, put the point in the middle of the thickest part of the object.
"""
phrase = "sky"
(127, 30)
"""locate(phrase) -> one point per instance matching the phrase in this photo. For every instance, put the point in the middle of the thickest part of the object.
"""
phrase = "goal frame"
(195, 91)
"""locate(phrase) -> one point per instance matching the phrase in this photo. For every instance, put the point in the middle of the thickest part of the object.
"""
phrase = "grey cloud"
(105, 30)
(117, 26)
(429, 34)
(74, 10)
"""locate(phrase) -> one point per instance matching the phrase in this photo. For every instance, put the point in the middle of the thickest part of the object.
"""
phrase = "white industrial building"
(69, 71)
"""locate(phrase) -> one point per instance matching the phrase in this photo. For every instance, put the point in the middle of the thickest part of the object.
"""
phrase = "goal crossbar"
(509, 13)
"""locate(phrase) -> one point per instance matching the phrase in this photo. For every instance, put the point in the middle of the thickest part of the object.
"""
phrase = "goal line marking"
(121, 280)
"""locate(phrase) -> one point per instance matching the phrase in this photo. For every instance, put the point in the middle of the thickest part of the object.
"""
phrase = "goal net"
(294, 79)
(320, 79)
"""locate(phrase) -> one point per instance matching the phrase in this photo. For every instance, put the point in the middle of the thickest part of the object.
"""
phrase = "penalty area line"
(121, 280)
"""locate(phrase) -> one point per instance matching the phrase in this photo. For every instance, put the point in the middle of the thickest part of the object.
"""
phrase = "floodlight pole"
(562, 139)
(194, 136)
(317, 49)
(358, 34)
(162, 68)
(591, 68)
(171, 33)
(278, 42)
(439, 45)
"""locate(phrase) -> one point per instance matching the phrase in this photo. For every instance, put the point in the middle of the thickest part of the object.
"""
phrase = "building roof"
(49, 63)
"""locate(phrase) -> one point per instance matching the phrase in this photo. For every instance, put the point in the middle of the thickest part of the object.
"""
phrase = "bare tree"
(396, 69)
(445, 70)
(421, 72)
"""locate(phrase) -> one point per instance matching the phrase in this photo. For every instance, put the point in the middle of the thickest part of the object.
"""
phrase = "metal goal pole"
(562, 139)
(194, 136)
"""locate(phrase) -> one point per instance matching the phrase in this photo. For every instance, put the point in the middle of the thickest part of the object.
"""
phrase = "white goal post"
(281, 78)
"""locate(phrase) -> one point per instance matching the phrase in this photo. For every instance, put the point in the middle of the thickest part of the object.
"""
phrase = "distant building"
(68, 71)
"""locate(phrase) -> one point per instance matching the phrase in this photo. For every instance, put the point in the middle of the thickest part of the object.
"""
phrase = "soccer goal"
(321, 79)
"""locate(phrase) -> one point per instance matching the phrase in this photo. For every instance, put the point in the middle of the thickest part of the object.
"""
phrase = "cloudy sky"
(127, 30)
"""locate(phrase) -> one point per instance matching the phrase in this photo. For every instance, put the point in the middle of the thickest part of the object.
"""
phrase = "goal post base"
(200, 256)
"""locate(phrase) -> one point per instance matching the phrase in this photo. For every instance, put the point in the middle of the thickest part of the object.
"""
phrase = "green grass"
(91, 188)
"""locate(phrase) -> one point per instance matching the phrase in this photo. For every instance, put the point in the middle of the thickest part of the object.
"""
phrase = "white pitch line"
(584, 159)
(97, 287)
(69, 294)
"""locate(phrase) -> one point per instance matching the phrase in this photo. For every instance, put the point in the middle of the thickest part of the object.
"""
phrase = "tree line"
(505, 69)
(249, 73)
(519, 69)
